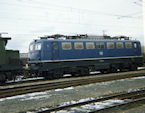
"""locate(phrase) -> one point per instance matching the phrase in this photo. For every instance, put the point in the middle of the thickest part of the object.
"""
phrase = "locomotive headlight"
(101, 53)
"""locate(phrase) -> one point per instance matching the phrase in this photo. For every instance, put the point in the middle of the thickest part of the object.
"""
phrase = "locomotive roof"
(86, 40)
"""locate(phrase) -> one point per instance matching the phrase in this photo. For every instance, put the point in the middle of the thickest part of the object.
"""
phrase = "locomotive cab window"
(90, 45)
(38, 46)
(66, 45)
(110, 45)
(128, 44)
(119, 45)
(31, 47)
(78, 45)
(100, 45)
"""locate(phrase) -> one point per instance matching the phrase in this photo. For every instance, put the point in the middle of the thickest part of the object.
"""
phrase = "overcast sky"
(26, 20)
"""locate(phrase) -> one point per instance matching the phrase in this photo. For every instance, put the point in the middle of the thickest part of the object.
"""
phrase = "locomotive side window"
(110, 45)
(90, 45)
(55, 46)
(100, 45)
(119, 45)
(66, 45)
(78, 45)
(128, 44)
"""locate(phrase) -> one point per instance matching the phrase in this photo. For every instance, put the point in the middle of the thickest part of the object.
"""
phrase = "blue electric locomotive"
(53, 58)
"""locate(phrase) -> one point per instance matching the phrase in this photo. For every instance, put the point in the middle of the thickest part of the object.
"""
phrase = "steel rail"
(138, 101)
(136, 95)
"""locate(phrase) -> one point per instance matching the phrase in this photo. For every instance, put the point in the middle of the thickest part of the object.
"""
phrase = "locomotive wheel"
(74, 74)
(124, 70)
(82, 72)
(46, 75)
(104, 71)
(13, 74)
(57, 74)
(133, 67)
(113, 69)
(86, 72)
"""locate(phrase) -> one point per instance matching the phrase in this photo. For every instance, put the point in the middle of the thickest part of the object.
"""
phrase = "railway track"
(136, 97)
(41, 79)
(63, 83)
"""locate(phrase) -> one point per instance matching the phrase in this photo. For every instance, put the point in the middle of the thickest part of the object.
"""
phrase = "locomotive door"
(135, 48)
(55, 51)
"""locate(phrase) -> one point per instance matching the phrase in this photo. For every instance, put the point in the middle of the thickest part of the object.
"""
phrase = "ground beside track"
(138, 109)
(25, 89)
(71, 94)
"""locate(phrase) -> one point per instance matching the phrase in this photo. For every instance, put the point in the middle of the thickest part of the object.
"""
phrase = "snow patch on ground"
(74, 102)
(37, 93)
(67, 75)
(90, 107)
(95, 72)
(140, 68)
(36, 98)
(11, 98)
(20, 78)
(29, 96)
(132, 90)
(137, 78)
(99, 84)
(101, 105)
(62, 111)
(105, 83)
(69, 88)
(87, 99)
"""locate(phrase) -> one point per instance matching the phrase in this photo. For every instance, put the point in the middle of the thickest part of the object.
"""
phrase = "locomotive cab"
(35, 51)
(43, 50)
(50, 50)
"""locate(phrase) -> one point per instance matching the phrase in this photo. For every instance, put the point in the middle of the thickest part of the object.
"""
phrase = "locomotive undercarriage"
(9, 72)
(51, 70)
(8, 75)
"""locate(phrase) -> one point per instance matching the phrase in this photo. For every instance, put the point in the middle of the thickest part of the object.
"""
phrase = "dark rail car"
(9, 62)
